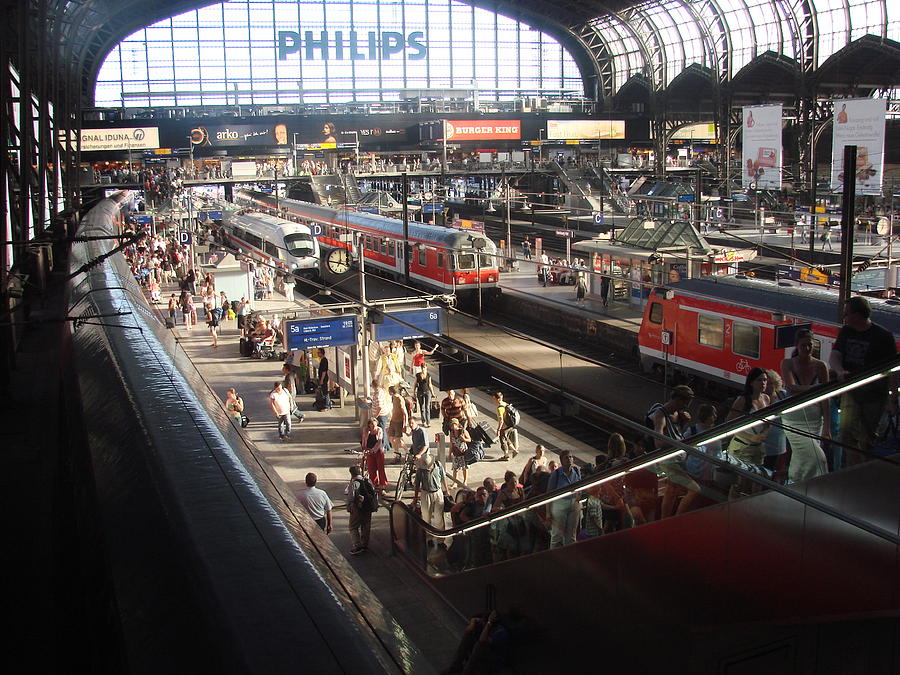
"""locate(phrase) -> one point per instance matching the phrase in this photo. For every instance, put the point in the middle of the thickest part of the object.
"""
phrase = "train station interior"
(649, 244)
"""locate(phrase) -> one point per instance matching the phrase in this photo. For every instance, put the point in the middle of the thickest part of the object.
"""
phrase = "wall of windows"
(331, 51)
(752, 26)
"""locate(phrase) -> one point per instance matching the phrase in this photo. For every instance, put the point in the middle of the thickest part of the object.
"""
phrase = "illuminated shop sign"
(483, 130)
(696, 132)
(351, 45)
(560, 130)
(132, 138)
(241, 134)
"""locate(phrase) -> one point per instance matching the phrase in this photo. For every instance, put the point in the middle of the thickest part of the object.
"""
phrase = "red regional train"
(443, 260)
(719, 328)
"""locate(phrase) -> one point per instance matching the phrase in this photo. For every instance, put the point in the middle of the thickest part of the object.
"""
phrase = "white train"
(272, 240)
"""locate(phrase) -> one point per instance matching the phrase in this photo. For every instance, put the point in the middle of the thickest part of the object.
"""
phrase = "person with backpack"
(670, 419)
(508, 418)
(362, 502)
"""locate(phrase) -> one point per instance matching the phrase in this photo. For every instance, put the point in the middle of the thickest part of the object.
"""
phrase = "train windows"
(745, 339)
(487, 261)
(390, 248)
(384, 246)
(367, 244)
(299, 244)
(440, 259)
(465, 261)
(253, 240)
(422, 256)
(656, 312)
(710, 331)
(271, 249)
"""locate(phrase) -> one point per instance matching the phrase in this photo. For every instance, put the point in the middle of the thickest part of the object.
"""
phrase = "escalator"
(755, 577)
(327, 189)
(351, 189)
(616, 195)
(581, 194)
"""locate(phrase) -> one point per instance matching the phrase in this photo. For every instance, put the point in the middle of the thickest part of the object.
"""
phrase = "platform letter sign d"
(184, 237)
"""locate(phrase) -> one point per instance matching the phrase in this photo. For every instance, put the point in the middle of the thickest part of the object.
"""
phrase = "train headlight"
(461, 280)
(491, 278)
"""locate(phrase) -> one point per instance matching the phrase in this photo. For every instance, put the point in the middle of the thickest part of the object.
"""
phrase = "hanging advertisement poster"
(761, 156)
(859, 122)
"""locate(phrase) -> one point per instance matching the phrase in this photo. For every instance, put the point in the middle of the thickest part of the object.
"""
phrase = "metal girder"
(646, 32)
(599, 51)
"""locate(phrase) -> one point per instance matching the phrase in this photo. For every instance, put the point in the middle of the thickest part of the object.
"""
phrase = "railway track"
(540, 400)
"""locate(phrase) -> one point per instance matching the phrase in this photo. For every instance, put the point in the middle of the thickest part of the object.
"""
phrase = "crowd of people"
(795, 447)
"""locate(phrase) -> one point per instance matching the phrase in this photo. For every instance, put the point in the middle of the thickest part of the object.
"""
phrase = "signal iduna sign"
(126, 138)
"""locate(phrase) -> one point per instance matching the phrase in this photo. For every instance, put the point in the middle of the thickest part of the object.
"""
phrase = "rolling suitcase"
(320, 399)
(245, 347)
(483, 433)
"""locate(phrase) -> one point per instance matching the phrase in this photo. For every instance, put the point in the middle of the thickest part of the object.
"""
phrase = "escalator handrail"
(678, 447)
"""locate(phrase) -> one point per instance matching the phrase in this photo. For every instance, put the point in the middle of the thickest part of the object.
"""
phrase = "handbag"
(244, 421)
(458, 449)
(448, 503)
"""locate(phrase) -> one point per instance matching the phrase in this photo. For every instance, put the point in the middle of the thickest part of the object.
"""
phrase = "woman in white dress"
(803, 428)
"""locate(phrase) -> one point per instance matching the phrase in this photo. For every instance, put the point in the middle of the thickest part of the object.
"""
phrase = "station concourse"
(147, 534)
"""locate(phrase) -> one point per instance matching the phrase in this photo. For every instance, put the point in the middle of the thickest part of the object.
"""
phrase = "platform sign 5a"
(336, 331)
(421, 322)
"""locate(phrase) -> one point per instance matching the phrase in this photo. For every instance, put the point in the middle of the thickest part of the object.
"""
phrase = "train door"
(656, 339)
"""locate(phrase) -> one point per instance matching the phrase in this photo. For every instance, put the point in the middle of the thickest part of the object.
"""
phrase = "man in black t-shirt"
(861, 344)
(323, 379)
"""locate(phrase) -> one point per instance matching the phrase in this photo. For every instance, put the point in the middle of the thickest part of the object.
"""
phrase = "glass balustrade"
(716, 465)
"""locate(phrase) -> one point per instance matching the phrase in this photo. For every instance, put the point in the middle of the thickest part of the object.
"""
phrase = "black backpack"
(511, 417)
(366, 490)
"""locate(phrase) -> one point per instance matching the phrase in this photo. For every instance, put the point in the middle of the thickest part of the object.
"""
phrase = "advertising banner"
(560, 130)
(130, 138)
(318, 132)
(704, 131)
(761, 155)
(859, 122)
(484, 130)
(223, 136)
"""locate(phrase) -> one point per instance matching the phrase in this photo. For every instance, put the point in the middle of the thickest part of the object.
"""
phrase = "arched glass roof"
(660, 39)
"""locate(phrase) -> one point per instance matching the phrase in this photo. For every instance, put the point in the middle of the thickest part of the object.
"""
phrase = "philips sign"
(351, 45)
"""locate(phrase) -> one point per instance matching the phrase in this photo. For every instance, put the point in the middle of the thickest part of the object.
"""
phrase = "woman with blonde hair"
(459, 443)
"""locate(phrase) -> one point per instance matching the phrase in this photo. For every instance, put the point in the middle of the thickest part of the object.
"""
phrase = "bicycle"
(407, 477)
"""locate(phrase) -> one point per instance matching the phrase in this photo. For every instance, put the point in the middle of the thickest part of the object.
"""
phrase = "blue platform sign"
(422, 322)
(685, 198)
(332, 331)
(436, 207)
(143, 219)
